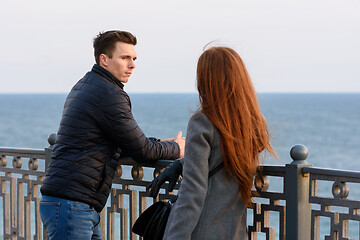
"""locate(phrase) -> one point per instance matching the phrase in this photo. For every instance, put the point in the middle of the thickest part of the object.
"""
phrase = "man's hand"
(171, 173)
(179, 140)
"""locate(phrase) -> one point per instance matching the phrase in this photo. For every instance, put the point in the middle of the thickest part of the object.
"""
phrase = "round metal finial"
(299, 152)
(52, 139)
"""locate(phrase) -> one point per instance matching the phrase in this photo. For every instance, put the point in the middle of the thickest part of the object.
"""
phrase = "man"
(96, 125)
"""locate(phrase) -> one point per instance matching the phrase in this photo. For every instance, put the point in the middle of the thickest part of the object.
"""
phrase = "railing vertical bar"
(38, 224)
(298, 208)
(345, 228)
(133, 212)
(315, 227)
(27, 218)
(103, 223)
(6, 210)
(48, 150)
(20, 205)
(124, 223)
(123, 214)
(282, 224)
(13, 203)
(111, 217)
(110, 225)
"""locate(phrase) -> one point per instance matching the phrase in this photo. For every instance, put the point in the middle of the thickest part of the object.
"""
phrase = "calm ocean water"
(328, 124)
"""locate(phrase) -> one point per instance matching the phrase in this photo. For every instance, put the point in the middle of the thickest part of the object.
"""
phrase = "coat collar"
(106, 74)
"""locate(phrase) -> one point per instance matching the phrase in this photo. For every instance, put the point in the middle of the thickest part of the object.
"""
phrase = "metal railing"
(295, 204)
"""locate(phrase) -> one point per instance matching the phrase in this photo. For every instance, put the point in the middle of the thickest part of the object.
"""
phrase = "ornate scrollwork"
(33, 164)
(157, 171)
(17, 162)
(340, 190)
(3, 162)
(137, 172)
(339, 220)
(119, 171)
(261, 183)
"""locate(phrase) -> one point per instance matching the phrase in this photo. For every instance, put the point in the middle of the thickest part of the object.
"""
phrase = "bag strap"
(211, 173)
(215, 170)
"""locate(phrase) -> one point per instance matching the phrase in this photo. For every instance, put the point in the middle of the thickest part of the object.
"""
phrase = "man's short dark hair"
(105, 42)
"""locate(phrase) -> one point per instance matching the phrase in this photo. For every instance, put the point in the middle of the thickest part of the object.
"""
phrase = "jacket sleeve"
(120, 126)
(194, 186)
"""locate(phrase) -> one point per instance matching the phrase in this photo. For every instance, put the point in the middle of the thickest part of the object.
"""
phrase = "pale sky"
(287, 46)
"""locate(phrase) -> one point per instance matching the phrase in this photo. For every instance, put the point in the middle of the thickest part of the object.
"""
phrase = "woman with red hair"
(229, 130)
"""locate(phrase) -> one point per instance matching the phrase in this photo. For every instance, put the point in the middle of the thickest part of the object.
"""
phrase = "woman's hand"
(171, 173)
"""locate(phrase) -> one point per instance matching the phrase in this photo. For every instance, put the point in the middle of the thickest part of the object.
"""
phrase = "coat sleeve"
(120, 126)
(194, 186)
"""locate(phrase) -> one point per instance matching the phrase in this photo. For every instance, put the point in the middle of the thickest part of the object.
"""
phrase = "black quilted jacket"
(96, 120)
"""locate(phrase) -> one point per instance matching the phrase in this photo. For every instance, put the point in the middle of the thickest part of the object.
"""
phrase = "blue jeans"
(64, 219)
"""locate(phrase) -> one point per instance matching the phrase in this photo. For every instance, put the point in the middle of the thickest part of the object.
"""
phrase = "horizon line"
(258, 92)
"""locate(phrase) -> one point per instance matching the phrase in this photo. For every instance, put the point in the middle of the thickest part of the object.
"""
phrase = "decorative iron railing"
(290, 207)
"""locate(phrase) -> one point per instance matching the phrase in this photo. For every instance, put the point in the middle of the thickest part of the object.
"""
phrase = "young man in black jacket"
(97, 122)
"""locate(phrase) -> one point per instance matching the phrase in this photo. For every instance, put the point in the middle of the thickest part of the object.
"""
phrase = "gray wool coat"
(207, 208)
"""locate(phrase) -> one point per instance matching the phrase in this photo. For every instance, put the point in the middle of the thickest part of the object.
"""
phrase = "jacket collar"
(106, 74)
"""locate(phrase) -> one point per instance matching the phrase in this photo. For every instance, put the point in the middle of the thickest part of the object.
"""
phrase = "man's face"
(122, 62)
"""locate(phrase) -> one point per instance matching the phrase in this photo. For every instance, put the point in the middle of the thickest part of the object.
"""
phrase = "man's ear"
(103, 60)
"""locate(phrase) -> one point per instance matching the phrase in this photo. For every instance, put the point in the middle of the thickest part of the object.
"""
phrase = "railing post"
(48, 150)
(298, 208)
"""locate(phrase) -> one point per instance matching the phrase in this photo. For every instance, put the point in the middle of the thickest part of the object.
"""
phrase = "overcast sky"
(287, 46)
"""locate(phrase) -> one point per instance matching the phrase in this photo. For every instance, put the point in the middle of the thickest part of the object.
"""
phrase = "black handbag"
(151, 223)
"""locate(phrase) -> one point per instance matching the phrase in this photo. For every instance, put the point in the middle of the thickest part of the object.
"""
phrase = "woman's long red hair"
(228, 99)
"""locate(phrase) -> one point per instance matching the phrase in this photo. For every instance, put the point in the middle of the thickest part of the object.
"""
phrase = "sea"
(328, 124)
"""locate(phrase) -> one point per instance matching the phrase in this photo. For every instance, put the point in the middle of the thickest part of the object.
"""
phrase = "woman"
(228, 128)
